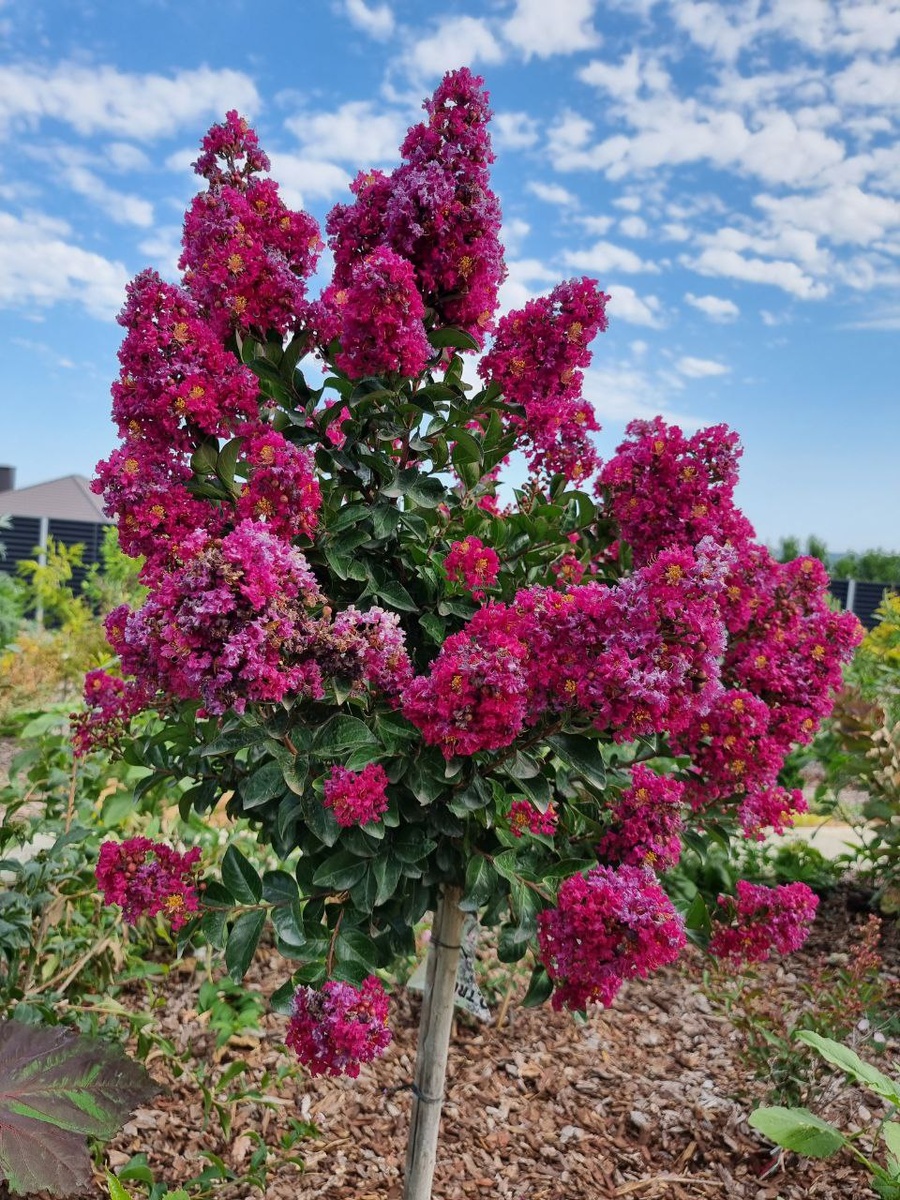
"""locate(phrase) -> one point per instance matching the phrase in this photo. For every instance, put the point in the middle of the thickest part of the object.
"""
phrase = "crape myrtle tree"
(421, 696)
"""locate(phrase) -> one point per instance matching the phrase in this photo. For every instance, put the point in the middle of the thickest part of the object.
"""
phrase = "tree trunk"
(434, 1042)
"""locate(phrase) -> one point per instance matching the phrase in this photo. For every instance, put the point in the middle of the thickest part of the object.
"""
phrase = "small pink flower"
(472, 564)
(335, 1029)
(762, 919)
(522, 816)
(356, 798)
(145, 878)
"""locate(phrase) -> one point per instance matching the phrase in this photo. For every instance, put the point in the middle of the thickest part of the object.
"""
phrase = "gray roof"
(66, 499)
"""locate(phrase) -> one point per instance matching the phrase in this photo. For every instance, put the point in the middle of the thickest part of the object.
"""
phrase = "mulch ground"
(646, 1100)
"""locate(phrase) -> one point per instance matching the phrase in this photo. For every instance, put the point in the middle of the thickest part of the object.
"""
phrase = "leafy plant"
(802, 1131)
(57, 1089)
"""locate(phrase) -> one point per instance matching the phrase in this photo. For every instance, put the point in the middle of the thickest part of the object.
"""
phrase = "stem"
(434, 1043)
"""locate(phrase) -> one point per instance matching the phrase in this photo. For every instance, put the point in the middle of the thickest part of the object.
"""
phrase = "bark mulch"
(647, 1100)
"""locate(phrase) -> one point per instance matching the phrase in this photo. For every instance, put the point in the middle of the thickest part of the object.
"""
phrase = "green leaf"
(56, 1088)
(116, 1190)
(205, 457)
(242, 943)
(279, 887)
(798, 1129)
(851, 1064)
(385, 519)
(582, 756)
(697, 916)
(240, 877)
(263, 785)
(228, 460)
(540, 988)
(458, 339)
(340, 872)
(342, 733)
(480, 881)
(426, 491)
(395, 595)
(387, 875)
(235, 739)
(353, 946)
(891, 1134)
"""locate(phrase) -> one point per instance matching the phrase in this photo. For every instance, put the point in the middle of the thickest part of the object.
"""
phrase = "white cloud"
(634, 227)
(376, 20)
(162, 249)
(122, 156)
(457, 42)
(842, 214)
(513, 130)
(41, 269)
(866, 82)
(542, 29)
(552, 193)
(721, 261)
(123, 208)
(627, 391)
(518, 289)
(302, 179)
(700, 368)
(715, 307)
(354, 133)
(513, 234)
(626, 305)
(105, 100)
(605, 256)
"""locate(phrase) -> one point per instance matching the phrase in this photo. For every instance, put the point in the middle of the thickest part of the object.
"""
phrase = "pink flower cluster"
(436, 210)
(538, 357)
(111, 703)
(246, 255)
(366, 648)
(335, 1029)
(145, 878)
(179, 386)
(356, 797)
(637, 658)
(472, 564)
(785, 647)
(230, 625)
(762, 919)
(646, 823)
(523, 815)
(377, 316)
(608, 926)
(665, 489)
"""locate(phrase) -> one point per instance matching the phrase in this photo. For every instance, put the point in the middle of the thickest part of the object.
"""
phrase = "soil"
(648, 1099)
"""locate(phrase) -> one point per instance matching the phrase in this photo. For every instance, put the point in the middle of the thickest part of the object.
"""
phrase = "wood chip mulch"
(647, 1100)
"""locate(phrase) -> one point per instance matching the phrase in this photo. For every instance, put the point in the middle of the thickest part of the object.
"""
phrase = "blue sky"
(730, 172)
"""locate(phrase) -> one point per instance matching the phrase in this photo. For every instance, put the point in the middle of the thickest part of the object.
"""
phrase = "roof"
(66, 499)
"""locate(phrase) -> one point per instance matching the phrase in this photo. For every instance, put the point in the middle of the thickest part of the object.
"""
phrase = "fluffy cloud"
(124, 209)
(729, 264)
(457, 42)
(552, 193)
(715, 307)
(377, 21)
(41, 268)
(353, 133)
(94, 100)
(626, 305)
(700, 368)
(605, 256)
(541, 29)
(514, 130)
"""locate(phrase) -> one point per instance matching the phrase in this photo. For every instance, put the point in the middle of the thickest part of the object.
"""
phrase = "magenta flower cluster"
(636, 658)
(473, 564)
(335, 1029)
(356, 797)
(145, 878)
(377, 315)
(784, 648)
(760, 920)
(523, 815)
(646, 823)
(613, 924)
(246, 255)
(538, 357)
(436, 210)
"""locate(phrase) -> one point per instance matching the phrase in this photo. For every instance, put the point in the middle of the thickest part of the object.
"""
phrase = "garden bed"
(645, 1100)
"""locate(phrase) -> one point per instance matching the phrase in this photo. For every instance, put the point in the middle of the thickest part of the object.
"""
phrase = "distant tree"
(789, 549)
(874, 566)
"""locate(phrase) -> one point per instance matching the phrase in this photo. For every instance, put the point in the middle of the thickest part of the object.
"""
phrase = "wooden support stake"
(434, 1044)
